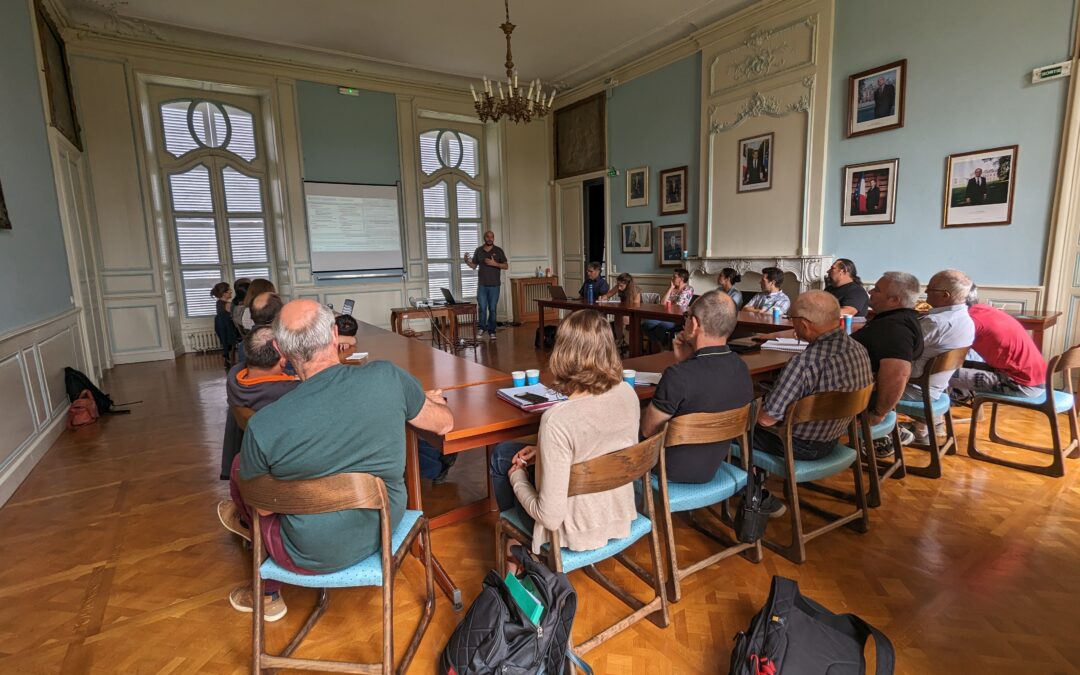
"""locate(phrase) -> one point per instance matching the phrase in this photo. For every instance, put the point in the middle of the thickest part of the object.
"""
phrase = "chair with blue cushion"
(694, 429)
(927, 410)
(602, 474)
(879, 469)
(1057, 402)
(832, 405)
(339, 492)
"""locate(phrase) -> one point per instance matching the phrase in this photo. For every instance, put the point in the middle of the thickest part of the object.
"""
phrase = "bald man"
(339, 419)
(490, 260)
(832, 362)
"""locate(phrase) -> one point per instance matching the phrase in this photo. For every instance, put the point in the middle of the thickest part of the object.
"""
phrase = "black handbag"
(750, 521)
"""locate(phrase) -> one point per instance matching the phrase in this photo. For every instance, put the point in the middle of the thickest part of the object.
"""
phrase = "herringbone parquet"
(113, 560)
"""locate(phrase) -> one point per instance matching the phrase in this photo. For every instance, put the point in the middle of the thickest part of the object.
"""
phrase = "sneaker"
(482, 335)
(229, 515)
(273, 605)
(883, 448)
(491, 336)
(772, 506)
(447, 462)
(907, 437)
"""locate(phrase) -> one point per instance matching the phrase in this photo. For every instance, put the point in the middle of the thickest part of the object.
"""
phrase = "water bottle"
(589, 293)
(847, 324)
(776, 313)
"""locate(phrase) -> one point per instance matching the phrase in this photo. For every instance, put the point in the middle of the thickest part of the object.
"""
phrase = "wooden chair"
(928, 409)
(650, 298)
(880, 469)
(817, 407)
(241, 415)
(601, 474)
(1051, 403)
(698, 428)
(325, 495)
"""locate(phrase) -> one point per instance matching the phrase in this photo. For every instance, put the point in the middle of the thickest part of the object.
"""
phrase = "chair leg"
(861, 525)
(673, 586)
(898, 454)
(1055, 469)
(950, 434)
(257, 622)
(865, 449)
(1074, 441)
(658, 580)
(796, 550)
(388, 623)
(933, 469)
(500, 548)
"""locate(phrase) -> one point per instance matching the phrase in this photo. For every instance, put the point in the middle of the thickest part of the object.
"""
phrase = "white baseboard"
(26, 458)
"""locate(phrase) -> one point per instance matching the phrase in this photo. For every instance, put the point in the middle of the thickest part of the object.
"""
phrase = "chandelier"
(513, 102)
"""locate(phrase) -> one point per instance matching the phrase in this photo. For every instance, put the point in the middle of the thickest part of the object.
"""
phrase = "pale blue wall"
(653, 121)
(33, 263)
(969, 66)
(348, 139)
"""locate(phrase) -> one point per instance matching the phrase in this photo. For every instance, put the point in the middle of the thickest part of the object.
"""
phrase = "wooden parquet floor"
(113, 560)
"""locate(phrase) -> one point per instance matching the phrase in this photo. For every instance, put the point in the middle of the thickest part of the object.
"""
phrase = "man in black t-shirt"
(708, 377)
(894, 340)
(846, 287)
(489, 260)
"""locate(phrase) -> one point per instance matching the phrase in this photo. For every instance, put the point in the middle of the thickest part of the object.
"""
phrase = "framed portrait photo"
(755, 161)
(637, 186)
(870, 193)
(672, 244)
(876, 99)
(637, 237)
(673, 188)
(979, 187)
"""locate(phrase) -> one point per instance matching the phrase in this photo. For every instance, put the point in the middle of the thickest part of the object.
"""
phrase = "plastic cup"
(519, 378)
(776, 313)
(847, 324)
(629, 377)
(532, 376)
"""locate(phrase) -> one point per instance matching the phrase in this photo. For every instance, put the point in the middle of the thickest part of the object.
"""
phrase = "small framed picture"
(637, 186)
(755, 160)
(979, 187)
(673, 191)
(672, 244)
(637, 237)
(876, 99)
(870, 193)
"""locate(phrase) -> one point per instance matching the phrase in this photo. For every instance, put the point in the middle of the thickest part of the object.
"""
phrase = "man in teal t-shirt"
(340, 419)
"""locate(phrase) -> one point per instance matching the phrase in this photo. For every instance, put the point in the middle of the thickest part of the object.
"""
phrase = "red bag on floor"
(83, 410)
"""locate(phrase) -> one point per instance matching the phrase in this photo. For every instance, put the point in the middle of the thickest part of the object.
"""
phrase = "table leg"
(1037, 336)
(415, 502)
(541, 306)
(635, 335)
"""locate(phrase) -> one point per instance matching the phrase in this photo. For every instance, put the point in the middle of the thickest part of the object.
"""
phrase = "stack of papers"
(356, 356)
(646, 379)
(785, 345)
(513, 396)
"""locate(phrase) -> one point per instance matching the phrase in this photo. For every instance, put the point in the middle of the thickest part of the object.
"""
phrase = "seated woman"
(770, 296)
(628, 294)
(600, 417)
(680, 293)
(726, 280)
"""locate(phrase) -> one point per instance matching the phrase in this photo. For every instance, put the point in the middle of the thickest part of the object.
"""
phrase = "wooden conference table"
(638, 312)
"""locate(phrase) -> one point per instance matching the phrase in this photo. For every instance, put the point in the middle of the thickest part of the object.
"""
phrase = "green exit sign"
(1051, 72)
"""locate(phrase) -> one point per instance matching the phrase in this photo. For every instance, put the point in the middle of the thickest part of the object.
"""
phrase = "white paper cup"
(629, 377)
(519, 378)
(532, 376)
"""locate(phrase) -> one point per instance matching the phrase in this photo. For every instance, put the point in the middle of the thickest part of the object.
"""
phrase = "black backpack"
(75, 382)
(793, 635)
(495, 636)
(548, 339)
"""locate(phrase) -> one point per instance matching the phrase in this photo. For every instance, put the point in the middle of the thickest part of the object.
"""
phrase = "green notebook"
(524, 593)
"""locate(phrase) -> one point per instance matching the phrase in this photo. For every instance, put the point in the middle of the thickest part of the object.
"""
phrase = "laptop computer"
(557, 293)
(450, 300)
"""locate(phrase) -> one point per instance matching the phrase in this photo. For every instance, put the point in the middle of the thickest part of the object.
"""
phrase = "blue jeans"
(657, 332)
(501, 460)
(803, 449)
(487, 300)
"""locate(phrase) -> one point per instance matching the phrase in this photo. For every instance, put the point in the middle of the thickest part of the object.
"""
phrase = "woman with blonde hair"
(600, 416)
(628, 293)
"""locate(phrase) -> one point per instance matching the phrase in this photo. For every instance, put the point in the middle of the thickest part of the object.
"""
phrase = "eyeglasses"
(793, 316)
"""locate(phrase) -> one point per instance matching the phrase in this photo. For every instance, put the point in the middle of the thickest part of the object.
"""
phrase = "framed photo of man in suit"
(637, 237)
(673, 189)
(870, 193)
(979, 187)
(755, 163)
(876, 99)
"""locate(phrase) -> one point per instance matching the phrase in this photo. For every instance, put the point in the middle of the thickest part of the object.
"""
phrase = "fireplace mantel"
(809, 270)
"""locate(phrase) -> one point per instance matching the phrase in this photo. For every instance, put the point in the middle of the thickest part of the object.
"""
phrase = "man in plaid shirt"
(832, 362)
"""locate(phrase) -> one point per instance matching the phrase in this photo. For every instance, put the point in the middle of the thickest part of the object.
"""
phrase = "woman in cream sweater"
(600, 416)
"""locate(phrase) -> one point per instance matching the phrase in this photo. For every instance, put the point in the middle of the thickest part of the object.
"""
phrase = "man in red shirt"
(1012, 363)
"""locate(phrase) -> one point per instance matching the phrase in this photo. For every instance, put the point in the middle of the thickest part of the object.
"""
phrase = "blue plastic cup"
(847, 324)
(629, 377)
(532, 376)
(776, 313)
(519, 378)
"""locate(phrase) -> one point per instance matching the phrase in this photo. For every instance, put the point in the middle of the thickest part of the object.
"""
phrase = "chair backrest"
(947, 361)
(241, 415)
(1063, 363)
(615, 469)
(649, 298)
(829, 405)
(339, 492)
(701, 428)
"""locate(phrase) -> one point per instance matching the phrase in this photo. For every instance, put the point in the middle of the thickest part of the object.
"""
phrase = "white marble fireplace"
(808, 270)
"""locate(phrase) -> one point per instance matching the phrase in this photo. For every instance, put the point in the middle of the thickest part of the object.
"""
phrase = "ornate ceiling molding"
(118, 24)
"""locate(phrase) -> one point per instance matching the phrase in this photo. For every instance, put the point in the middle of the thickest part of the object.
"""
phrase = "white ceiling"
(565, 41)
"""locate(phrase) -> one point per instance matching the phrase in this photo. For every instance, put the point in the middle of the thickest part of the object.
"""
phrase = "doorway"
(594, 207)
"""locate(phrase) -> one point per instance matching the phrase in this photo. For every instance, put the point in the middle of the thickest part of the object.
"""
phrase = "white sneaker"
(482, 335)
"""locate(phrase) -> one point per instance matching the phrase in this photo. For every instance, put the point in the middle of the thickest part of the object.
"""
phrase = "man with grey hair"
(893, 339)
(706, 378)
(340, 419)
(945, 327)
(832, 362)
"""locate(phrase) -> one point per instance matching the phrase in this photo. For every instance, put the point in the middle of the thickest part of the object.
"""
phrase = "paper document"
(356, 356)
(785, 345)
(531, 397)
(647, 379)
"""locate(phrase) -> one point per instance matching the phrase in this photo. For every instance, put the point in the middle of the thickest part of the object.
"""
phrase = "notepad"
(511, 394)
(525, 598)
(646, 379)
(785, 345)
(356, 356)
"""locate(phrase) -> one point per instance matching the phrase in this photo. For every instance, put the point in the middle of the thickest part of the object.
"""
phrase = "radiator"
(202, 341)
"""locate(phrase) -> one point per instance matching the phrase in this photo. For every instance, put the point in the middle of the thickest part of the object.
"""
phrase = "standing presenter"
(491, 261)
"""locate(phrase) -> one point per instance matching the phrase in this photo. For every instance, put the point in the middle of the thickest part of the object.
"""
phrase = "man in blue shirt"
(596, 280)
